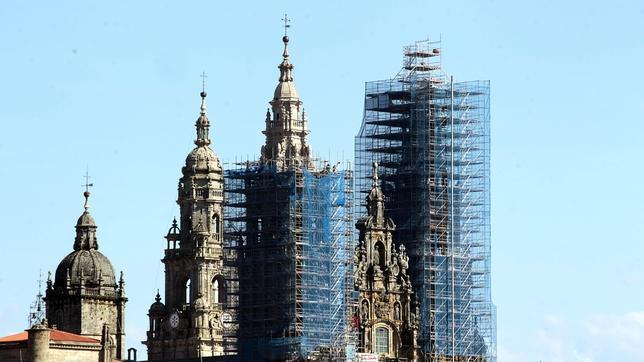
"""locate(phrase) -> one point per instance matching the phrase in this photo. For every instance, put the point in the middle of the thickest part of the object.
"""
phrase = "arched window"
(218, 295)
(215, 290)
(187, 291)
(215, 224)
(382, 340)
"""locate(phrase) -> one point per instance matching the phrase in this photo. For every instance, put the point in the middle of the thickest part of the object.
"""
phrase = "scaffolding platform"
(430, 137)
(293, 240)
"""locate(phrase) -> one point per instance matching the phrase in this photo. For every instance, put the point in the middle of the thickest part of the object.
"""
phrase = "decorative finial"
(374, 174)
(158, 297)
(87, 185)
(286, 20)
(203, 84)
(285, 67)
(202, 123)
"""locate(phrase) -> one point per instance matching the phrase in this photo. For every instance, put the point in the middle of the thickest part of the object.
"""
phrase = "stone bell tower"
(286, 129)
(190, 323)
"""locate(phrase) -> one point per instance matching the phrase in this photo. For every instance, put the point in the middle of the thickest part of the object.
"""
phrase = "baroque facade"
(388, 310)
(191, 322)
(84, 298)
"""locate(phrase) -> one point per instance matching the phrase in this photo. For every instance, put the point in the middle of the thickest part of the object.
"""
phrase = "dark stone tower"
(84, 297)
(388, 314)
(190, 324)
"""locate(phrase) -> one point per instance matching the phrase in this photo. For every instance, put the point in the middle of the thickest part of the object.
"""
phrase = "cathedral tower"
(286, 123)
(294, 223)
(84, 297)
(388, 315)
(190, 323)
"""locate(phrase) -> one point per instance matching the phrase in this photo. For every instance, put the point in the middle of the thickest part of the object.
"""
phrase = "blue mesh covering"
(431, 139)
(294, 236)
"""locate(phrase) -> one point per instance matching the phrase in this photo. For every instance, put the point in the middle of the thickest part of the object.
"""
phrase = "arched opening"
(382, 340)
(187, 291)
(218, 295)
(215, 224)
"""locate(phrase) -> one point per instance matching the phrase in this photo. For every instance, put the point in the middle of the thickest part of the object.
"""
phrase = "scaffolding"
(291, 234)
(430, 137)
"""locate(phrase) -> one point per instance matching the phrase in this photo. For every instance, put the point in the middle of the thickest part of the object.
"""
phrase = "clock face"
(174, 320)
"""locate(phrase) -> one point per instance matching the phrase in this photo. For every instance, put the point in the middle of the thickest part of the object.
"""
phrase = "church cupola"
(85, 229)
(85, 287)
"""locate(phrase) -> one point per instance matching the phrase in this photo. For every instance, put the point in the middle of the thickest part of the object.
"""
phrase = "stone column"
(38, 342)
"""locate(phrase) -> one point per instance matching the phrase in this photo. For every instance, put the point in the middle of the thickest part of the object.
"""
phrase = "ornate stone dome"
(286, 90)
(202, 157)
(91, 264)
(85, 261)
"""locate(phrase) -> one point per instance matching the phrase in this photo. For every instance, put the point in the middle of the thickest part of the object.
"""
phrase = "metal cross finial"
(203, 81)
(286, 20)
(87, 184)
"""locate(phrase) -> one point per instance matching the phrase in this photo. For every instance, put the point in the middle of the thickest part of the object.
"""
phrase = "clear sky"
(115, 86)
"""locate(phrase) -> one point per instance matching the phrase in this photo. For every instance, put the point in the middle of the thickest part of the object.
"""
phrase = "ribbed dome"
(201, 157)
(285, 90)
(91, 263)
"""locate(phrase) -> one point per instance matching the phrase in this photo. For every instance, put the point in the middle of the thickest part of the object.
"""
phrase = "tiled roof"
(54, 335)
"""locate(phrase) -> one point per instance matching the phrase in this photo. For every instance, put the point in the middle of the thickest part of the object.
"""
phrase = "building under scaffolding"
(293, 233)
(289, 234)
(430, 135)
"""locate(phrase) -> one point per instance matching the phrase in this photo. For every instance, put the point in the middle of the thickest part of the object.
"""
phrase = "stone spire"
(286, 127)
(285, 67)
(202, 124)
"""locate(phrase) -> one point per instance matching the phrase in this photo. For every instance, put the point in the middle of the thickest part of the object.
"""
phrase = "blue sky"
(115, 86)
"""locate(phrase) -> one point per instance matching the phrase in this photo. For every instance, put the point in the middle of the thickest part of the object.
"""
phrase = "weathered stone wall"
(94, 314)
(72, 355)
(64, 313)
